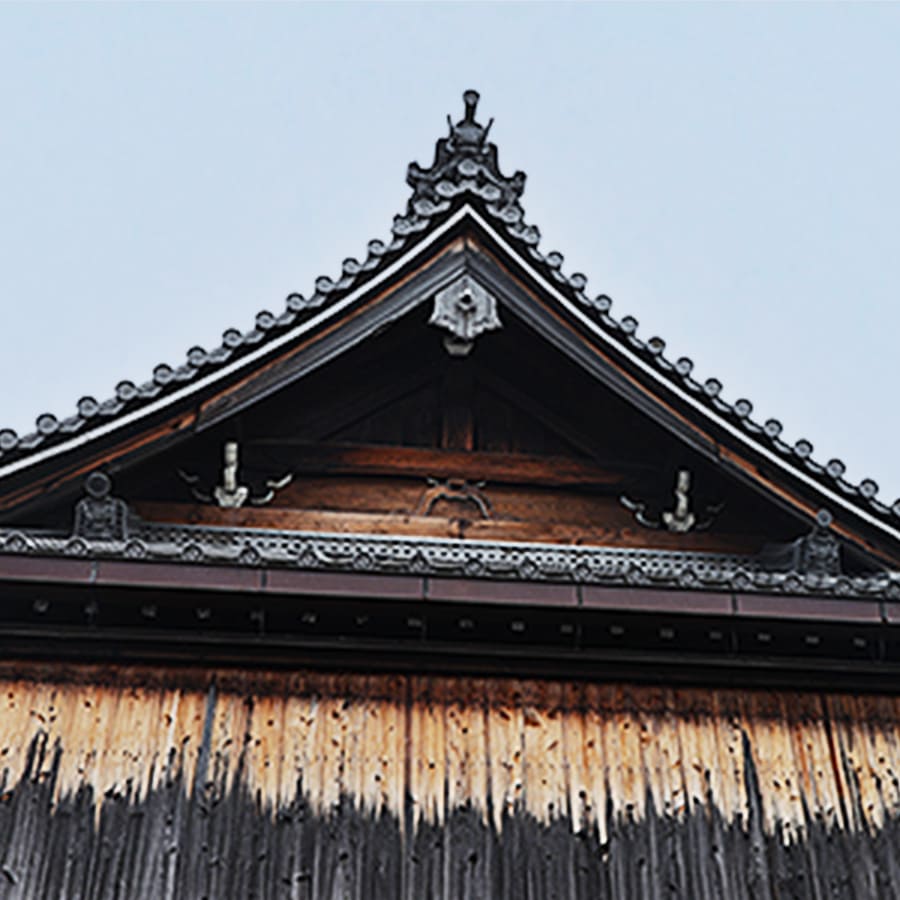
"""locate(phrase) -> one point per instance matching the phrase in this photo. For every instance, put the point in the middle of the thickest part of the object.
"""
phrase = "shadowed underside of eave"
(140, 783)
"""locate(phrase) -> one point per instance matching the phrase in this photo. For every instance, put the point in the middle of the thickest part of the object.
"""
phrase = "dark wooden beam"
(463, 525)
(416, 462)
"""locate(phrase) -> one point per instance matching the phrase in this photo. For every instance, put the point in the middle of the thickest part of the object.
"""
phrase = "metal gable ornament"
(466, 310)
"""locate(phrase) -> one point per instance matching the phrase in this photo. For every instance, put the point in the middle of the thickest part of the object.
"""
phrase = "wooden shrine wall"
(130, 782)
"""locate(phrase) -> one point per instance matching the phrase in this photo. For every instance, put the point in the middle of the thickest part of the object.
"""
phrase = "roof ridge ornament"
(467, 130)
(465, 161)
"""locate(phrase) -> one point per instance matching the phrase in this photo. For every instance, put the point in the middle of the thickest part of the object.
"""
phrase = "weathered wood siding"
(131, 782)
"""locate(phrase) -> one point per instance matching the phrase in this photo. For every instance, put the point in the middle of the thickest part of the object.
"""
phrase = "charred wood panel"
(128, 782)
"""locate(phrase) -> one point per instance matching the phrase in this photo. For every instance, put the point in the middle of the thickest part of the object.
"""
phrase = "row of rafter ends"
(406, 229)
(474, 560)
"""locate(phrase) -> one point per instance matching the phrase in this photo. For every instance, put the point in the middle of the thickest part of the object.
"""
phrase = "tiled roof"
(465, 170)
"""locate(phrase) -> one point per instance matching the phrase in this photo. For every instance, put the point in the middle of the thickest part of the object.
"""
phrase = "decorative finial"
(467, 135)
(471, 98)
(465, 161)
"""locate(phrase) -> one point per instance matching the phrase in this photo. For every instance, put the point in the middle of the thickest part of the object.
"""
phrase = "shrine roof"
(464, 179)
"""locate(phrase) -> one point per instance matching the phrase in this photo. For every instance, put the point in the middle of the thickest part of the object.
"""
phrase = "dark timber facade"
(441, 584)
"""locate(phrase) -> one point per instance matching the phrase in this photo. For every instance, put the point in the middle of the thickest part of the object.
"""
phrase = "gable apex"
(465, 162)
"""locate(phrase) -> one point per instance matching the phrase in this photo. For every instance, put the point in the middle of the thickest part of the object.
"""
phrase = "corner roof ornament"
(466, 161)
(816, 553)
(98, 514)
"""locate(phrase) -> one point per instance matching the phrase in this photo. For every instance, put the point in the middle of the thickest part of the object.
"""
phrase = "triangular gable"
(463, 235)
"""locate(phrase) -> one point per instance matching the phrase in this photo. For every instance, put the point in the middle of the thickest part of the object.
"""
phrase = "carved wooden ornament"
(230, 494)
(466, 310)
(680, 519)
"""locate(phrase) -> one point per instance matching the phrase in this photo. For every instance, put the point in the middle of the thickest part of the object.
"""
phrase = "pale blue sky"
(727, 173)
